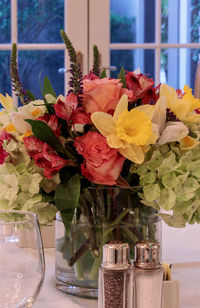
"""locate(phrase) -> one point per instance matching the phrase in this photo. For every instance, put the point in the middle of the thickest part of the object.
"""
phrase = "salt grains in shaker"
(148, 275)
(115, 277)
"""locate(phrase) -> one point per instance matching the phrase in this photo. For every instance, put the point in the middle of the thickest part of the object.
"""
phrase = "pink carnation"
(102, 165)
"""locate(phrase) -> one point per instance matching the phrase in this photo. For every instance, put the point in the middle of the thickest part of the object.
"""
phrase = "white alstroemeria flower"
(30, 111)
(168, 131)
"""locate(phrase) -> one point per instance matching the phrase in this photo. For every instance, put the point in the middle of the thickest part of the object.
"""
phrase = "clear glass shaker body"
(148, 288)
(115, 288)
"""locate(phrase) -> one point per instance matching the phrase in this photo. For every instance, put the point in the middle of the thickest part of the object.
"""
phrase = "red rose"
(151, 96)
(44, 156)
(139, 84)
(102, 165)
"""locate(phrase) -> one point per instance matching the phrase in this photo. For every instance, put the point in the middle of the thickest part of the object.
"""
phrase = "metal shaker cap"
(148, 255)
(116, 253)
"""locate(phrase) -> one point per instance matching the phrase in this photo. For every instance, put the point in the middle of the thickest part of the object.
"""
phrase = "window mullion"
(158, 41)
(14, 31)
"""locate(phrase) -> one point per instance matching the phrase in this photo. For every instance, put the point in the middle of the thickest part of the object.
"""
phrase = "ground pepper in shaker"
(148, 275)
(115, 277)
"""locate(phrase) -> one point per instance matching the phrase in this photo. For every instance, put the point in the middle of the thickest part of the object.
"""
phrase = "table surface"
(180, 247)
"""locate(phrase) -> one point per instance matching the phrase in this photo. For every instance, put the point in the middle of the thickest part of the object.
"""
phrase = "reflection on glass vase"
(103, 215)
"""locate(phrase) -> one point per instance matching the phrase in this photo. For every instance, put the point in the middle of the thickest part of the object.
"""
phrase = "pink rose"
(44, 156)
(102, 165)
(101, 94)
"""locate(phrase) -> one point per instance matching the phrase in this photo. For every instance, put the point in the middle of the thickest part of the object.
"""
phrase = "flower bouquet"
(112, 156)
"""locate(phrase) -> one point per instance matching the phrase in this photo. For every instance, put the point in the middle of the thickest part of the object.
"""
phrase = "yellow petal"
(36, 112)
(121, 106)
(188, 143)
(169, 93)
(192, 117)
(147, 109)
(193, 102)
(104, 123)
(180, 108)
(134, 127)
(27, 134)
(6, 101)
(114, 142)
(133, 152)
(10, 128)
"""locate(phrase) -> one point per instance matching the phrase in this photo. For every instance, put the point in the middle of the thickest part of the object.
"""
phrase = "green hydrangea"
(171, 182)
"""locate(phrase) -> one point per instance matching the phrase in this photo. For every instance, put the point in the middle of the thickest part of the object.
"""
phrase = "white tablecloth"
(181, 246)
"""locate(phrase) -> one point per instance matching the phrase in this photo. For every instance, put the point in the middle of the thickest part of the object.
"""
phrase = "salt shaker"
(148, 275)
(115, 277)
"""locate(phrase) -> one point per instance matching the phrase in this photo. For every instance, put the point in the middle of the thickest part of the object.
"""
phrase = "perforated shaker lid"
(116, 254)
(148, 255)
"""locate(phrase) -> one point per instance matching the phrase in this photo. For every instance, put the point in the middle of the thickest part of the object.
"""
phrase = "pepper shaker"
(148, 275)
(115, 277)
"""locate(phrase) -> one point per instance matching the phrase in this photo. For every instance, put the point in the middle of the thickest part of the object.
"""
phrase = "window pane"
(178, 67)
(130, 22)
(40, 21)
(5, 84)
(47, 63)
(133, 59)
(5, 21)
(180, 21)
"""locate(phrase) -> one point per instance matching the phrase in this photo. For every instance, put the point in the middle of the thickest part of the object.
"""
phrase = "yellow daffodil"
(7, 102)
(183, 108)
(128, 131)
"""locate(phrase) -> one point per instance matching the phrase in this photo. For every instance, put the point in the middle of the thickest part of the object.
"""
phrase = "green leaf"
(175, 221)
(103, 74)
(121, 76)
(67, 216)
(68, 193)
(44, 133)
(167, 199)
(50, 109)
(169, 180)
(30, 95)
(148, 178)
(48, 89)
(151, 192)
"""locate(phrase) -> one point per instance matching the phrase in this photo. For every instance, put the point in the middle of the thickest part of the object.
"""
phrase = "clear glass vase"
(103, 215)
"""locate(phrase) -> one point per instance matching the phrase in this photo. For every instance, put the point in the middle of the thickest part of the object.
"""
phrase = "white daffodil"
(169, 131)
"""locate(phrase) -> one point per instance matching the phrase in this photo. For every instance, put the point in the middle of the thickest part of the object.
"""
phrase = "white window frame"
(87, 22)
(105, 44)
(74, 11)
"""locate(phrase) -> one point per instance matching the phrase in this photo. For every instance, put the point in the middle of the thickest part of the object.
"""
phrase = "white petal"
(174, 131)
(159, 116)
